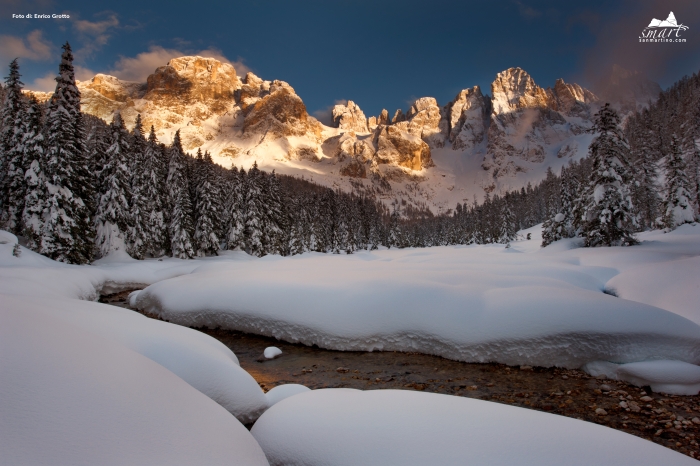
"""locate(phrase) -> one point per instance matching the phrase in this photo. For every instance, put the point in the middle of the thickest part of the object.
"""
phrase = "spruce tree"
(12, 162)
(68, 233)
(508, 228)
(234, 209)
(678, 208)
(273, 220)
(608, 217)
(254, 211)
(154, 225)
(181, 226)
(35, 181)
(139, 232)
(113, 218)
(205, 239)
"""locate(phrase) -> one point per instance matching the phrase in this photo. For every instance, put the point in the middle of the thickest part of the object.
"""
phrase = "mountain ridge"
(430, 155)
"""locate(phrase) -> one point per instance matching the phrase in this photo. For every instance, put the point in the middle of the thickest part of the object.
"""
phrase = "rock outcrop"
(426, 121)
(272, 108)
(467, 119)
(350, 118)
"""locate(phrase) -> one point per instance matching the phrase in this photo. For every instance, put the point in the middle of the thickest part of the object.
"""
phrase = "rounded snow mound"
(378, 427)
(281, 392)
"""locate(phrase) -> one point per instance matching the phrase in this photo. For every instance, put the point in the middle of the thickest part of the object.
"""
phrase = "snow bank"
(672, 285)
(673, 377)
(281, 392)
(203, 362)
(32, 274)
(379, 427)
(476, 304)
(70, 396)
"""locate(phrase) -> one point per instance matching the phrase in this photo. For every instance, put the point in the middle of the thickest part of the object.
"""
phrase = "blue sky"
(381, 54)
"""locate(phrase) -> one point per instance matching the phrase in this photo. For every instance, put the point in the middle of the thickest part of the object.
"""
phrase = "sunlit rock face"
(350, 118)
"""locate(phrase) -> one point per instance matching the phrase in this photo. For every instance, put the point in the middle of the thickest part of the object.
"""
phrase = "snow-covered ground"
(86, 383)
(517, 305)
(379, 427)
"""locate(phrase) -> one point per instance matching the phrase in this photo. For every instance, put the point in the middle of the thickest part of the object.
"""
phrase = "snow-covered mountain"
(430, 155)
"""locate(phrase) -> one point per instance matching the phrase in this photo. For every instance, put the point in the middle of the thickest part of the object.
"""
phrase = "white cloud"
(94, 34)
(32, 47)
(138, 68)
(47, 83)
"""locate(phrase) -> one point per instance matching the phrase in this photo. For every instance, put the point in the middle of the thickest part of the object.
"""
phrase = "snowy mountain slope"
(430, 155)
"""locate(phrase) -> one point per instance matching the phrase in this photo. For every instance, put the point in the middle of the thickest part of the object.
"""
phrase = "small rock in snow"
(606, 388)
(526, 368)
(601, 412)
(646, 399)
(623, 405)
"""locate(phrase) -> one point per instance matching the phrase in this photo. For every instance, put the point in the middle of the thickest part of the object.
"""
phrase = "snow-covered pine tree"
(35, 181)
(508, 228)
(207, 208)
(113, 218)
(695, 174)
(68, 233)
(254, 211)
(139, 233)
(645, 191)
(235, 214)
(12, 162)
(394, 236)
(608, 218)
(181, 226)
(569, 182)
(154, 222)
(678, 208)
(273, 220)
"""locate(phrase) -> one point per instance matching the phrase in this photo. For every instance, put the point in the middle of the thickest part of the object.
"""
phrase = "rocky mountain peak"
(114, 88)
(514, 89)
(193, 78)
(467, 118)
(350, 117)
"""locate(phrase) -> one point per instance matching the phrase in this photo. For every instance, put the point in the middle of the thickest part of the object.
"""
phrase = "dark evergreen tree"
(608, 217)
(68, 233)
(139, 238)
(35, 181)
(154, 227)
(253, 212)
(678, 208)
(12, 162)
(181, 226)
(113, 217)
(234, 209)
(207, 194)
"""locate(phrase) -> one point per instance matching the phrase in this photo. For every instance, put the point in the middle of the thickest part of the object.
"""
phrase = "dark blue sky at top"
(381, 54)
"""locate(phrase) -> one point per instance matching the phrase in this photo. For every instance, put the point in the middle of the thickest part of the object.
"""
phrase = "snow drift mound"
(69, 396)
(380, 427)
(447, 301)
(203, 362)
